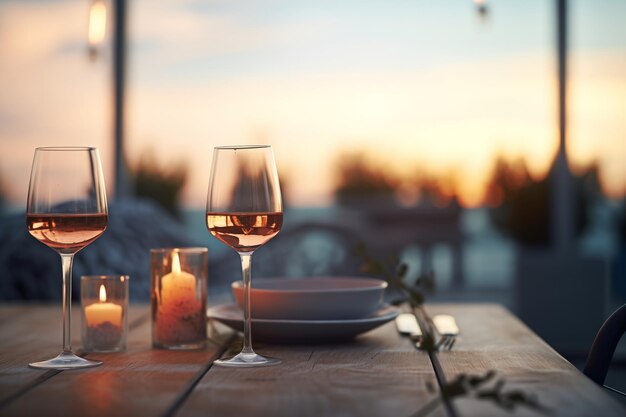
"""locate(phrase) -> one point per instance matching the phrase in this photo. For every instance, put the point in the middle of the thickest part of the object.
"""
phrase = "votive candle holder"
(104, 300)
(178, 279)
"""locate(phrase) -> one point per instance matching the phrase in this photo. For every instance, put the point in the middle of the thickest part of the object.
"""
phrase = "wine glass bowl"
(66, 211)
(66, 233)
(244, 211)
(244, 232)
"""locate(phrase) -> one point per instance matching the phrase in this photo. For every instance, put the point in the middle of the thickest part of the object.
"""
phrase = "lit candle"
(104, 322)
(102, 312)
(180, 317)
(178, 286)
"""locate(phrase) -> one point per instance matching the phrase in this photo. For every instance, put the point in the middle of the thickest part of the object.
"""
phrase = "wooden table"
(379, 374)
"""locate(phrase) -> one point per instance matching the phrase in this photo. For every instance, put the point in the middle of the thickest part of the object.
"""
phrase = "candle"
(178, 286)
(99, 313)
(180, 315)
(104, 322)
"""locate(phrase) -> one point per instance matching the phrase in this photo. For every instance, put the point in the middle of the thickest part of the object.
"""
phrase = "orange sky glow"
(454, 117)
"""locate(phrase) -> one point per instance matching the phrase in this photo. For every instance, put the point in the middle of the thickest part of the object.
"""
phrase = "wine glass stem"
(66, 264)
(246, 264)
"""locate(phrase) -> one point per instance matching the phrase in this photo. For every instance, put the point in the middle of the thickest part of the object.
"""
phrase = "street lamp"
(97, 27)
(96, 37)
(481, 8)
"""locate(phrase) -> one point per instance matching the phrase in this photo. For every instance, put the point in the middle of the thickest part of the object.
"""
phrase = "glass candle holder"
(104, 300)
(178, 280)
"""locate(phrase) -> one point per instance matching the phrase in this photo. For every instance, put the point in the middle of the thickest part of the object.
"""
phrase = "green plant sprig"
(463, 385)
(395, 273)
(476, 386)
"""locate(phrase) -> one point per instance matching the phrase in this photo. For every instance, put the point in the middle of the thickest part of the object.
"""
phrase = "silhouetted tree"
(521, 204)
(162, 185)
(441, 190)
(358, 178)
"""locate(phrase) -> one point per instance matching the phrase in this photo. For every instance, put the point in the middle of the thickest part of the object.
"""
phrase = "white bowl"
(336, 298)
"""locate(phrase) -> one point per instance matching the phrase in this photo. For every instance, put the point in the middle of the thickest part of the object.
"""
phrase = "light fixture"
(481, 8)
(97, 27)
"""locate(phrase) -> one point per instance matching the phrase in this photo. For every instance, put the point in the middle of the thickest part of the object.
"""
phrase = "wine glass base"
(247, 360)
(65, 361)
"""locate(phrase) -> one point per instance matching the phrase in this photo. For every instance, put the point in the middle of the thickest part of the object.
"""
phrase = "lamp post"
(122, 187)
(562, 219)
(96, 36)
(562, 208)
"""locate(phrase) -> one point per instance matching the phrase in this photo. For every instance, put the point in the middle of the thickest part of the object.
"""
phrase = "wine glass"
(66, 210)
(244, 211)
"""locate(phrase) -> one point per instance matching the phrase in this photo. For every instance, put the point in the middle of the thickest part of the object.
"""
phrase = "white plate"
(302, 331)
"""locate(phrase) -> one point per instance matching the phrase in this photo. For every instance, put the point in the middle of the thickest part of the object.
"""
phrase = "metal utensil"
(445, 325)
(447, 328)
(407, 325)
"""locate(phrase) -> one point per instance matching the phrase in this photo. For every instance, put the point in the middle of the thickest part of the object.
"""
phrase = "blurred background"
(428, 130)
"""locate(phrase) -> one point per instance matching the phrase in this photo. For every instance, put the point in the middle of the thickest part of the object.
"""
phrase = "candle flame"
(103, 294)
(175, 263)
(97, 22)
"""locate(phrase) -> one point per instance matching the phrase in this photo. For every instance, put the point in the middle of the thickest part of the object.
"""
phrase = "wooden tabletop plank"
(378, 374)
(31, 333)
(35, 332)
(493, 339)
(10, 310)
(139, 382)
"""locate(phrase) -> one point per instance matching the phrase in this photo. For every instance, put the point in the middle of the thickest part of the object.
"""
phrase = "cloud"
(51, 94)
(203, 74)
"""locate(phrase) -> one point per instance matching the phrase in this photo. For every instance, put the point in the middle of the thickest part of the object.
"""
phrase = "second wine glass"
(244, 211)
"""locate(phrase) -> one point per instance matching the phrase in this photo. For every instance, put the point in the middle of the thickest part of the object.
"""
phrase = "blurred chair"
(424, 226)
(604, 346)
(310, 249)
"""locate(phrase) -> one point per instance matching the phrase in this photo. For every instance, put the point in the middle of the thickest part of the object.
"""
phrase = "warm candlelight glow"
(97, 22)
(180, 316)
(103, 312)
(177, 286)
(175, 263)
(105, 300)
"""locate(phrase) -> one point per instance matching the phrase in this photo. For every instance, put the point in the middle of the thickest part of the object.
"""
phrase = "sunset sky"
(418, 84)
